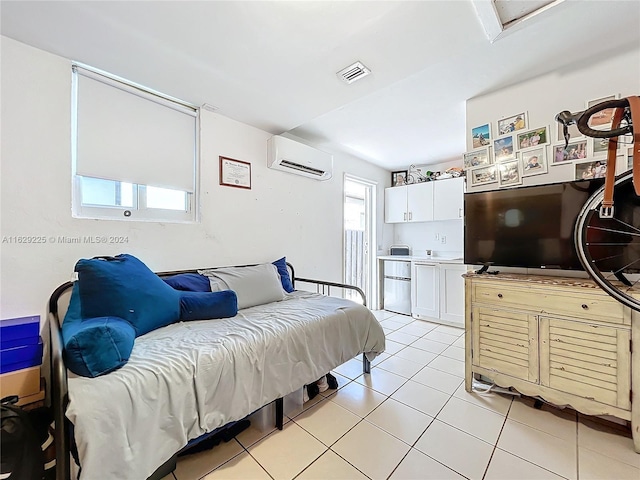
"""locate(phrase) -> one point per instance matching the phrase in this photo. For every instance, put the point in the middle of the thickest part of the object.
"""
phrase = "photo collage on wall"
(511, 149)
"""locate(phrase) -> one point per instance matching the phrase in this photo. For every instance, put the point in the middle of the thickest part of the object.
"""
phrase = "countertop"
(423, 258)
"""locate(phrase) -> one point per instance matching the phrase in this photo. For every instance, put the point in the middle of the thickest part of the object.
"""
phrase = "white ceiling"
(273, 64)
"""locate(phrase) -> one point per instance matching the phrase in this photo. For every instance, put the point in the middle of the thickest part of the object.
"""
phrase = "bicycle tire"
(601, 268)
(583, 121)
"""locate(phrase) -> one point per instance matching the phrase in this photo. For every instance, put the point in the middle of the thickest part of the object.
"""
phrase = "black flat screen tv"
(530, 227)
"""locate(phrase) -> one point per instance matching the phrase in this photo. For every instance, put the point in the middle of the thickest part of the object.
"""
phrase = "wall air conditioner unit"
(295, 157)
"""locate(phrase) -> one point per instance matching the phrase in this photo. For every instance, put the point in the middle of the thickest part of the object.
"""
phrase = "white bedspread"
(190, 378)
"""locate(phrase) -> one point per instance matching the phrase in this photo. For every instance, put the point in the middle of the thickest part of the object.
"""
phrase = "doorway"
(359, 237)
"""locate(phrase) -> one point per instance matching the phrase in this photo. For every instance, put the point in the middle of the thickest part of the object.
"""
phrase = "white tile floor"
(412, 419)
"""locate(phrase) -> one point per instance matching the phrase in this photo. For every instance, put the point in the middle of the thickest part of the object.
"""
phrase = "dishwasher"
(397, 286)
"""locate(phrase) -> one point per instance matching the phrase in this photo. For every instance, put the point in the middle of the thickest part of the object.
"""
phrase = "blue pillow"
(94, 346)
(285, 278)
(206, 305)
(123, 286)
(189, 282)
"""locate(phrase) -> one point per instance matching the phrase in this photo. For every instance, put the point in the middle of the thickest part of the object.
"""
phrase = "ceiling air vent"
(353, 72)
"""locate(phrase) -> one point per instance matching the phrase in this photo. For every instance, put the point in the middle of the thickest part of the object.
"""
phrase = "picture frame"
(513, 123)
(477, 158)
(599, 147)
(533, 161)
(574, 133)
(503, 148)
(235, 173)
(509, 173)
(604, 119)
(574, 151)
(481, 136)
(590, 169)
(399, 178)
(532, 138)
(483, 175)
(629, 158)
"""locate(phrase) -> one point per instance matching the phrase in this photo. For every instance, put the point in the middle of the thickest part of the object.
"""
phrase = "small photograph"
(509, 173)
(604, 118)
(534, 161)
(574, 133)
(573, 151)
(398, 178)
(629, 158)
(482, 175)
(589, 170)
(532, 138)
(600, 146)
(511, 124)
(503, 148)
(481, 135)
(477, 158)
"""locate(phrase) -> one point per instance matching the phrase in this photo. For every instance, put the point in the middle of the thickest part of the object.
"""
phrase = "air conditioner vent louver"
(353, 72)
(302, 168)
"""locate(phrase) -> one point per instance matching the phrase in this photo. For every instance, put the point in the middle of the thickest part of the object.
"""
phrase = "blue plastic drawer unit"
(17, 358)
(18, 332)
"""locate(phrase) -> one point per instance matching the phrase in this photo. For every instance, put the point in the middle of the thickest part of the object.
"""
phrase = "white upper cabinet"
(448, 199)
(423, 202)
(409, 203)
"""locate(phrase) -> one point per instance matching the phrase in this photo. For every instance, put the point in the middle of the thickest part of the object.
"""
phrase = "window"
(134, 151)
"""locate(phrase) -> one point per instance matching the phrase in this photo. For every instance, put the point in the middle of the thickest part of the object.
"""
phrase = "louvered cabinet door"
(506, 342)
(589, 360)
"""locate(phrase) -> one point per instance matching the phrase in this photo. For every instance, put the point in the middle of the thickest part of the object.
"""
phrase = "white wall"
(424, 236)
(543, 97)
(282, 214)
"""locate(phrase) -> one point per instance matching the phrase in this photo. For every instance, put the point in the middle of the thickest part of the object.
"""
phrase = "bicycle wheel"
(583, 120)
(610, 246)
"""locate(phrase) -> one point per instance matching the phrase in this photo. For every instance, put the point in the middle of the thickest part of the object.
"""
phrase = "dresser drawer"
(590, 304)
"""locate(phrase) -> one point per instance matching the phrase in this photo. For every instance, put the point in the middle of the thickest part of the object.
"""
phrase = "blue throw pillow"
(204, 306)
(94, 346)
(189, 282)
(123, 286)
(285, 278)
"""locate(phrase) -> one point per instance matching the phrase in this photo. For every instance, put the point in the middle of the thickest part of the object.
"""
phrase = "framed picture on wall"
(574, 133)
(235, 173)
(509, 173)
(590, 169)
(573, 151)
(481, 136)
(399, 178)
(532, 138)
(629, 158)
(483, 175)
(599, 147)
(512, 124)
(477, 158)
(603, 119)
(534, 161)
(503, 148)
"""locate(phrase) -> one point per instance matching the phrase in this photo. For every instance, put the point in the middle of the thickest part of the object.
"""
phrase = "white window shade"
(132, 136)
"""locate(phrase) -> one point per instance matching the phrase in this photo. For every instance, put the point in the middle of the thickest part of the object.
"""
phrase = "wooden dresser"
(562, 339)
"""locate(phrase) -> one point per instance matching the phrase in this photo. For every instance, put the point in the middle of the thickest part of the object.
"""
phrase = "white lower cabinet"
(425, 286)
(437, 292)
(452, 293)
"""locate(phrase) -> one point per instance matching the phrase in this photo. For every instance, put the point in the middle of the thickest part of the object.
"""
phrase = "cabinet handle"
(459, 213)
(499, 295)
(410, 214)
(405, 216)
(585, 306)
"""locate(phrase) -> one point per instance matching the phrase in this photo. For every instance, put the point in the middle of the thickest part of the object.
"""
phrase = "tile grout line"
(493, 451)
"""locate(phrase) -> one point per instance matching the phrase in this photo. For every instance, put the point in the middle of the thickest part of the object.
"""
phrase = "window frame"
(139, 211)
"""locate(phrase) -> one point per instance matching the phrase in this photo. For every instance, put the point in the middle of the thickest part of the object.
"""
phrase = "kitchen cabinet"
(425, 290)
(452, 293)
(409, 203)
(561, 339)
(448, 199)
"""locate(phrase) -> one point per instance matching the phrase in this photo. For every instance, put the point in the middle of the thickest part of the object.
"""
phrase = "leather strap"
(607, 202)
(634, 106)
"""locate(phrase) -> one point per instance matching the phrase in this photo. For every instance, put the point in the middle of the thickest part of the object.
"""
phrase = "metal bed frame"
(60, 394)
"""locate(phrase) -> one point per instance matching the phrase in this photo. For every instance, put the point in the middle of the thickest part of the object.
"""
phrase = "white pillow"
(255, 285)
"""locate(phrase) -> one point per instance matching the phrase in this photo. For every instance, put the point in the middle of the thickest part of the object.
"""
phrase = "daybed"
(187, 379)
